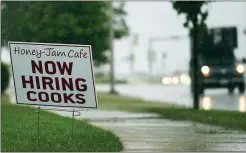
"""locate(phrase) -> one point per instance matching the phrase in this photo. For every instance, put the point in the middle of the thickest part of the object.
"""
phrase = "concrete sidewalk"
(162, 135)
(146, 132)
(101, 115)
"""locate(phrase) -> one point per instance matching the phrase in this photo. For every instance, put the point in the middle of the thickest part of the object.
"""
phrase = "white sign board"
(53, 74)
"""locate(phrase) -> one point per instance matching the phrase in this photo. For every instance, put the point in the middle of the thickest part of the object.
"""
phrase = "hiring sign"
(53, 74)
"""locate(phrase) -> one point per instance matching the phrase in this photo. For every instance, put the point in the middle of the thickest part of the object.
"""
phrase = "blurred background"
(151, 49)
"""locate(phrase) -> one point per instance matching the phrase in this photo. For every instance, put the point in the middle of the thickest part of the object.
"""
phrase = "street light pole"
(133, 43)
(111, 48)
(150, 52)
(164, 56)
(131, 57)
(150, 58)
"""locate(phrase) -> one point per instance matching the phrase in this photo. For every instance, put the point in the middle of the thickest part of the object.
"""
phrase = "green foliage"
(5, 77)
(193, 13)
(195, 22)
(70, 22)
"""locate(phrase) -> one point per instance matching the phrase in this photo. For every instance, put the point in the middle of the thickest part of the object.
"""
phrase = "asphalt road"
(180, 94)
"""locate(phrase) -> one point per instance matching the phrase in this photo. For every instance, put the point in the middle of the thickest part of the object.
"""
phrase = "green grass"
(228, 119)
(123, 103)
(105, 80)
(19, 133)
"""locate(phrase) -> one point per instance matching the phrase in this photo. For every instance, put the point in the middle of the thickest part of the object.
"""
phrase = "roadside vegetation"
(5, 76)
(19, 132)
(105, 80)
(227, 119)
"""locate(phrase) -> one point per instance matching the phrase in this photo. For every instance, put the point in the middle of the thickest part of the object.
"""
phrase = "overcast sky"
(159, 19)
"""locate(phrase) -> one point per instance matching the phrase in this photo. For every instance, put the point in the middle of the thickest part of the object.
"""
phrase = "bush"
(5, 77)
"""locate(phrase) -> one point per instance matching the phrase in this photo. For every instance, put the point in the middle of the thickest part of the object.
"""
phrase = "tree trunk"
(195, 69)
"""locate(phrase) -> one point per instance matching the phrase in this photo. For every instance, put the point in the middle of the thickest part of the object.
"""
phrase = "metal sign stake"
(72, 122)
(38, 126)
(38, 119)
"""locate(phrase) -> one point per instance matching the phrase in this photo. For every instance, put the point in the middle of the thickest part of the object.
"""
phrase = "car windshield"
(218, 54)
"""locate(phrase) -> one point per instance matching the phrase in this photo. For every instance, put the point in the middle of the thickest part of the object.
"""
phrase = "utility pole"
(111, 48)
(163, 62)
(131, 58)
(150, 57)
(133, 43)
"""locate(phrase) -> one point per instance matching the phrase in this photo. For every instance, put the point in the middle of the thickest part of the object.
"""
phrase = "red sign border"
(54, 44)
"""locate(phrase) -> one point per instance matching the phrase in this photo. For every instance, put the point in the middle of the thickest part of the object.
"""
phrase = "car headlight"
(240, 68)
(205, 70)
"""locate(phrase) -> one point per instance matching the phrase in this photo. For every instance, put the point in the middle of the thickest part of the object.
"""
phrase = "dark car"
(218, 65)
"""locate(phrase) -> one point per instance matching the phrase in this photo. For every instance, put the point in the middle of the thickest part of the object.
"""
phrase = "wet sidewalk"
(145, 132)
(162, 135)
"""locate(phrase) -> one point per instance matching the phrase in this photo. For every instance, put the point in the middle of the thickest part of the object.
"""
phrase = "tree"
(63, 22)
(5, 77)
(195, 22)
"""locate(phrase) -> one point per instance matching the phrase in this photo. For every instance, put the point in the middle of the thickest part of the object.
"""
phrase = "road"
(180, 94)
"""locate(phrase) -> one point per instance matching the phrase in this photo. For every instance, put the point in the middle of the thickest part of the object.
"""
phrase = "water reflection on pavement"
(225, 102)
(161, 135)
(180, 94)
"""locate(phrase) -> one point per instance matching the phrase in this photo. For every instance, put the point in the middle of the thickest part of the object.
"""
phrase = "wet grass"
(105, 80)
(19, 133)
(227, 119)
(123, 103)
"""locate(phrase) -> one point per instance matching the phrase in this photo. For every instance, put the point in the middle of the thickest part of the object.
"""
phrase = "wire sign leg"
(38, 128)
(72, 122)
